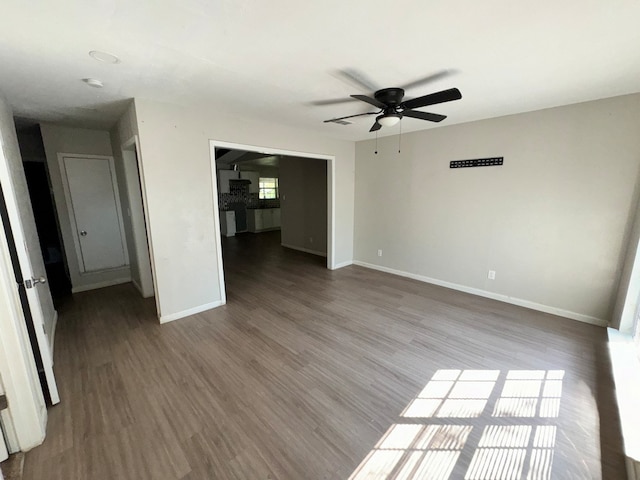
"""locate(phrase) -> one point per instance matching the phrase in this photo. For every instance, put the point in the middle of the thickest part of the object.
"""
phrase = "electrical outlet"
(492, 275)
(310, 239)
(379, 253)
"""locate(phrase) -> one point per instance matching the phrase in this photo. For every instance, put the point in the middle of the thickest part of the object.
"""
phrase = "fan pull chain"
(376, 152)
(400, 137)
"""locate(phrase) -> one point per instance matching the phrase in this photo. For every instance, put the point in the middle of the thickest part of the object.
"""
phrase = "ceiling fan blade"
(351, 116)
(432, 117)
(370, 101)
(432, 99)
(428, 79)
(376, 126)
(332, 101)
(357, 79)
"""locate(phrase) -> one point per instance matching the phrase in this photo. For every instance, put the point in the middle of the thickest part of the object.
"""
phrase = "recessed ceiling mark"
(93, 82)
(103, 56)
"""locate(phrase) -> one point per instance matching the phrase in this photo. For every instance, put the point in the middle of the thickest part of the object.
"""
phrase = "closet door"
(91, 193)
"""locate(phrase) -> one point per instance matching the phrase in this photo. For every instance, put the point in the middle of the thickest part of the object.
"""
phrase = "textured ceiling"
(269, 59)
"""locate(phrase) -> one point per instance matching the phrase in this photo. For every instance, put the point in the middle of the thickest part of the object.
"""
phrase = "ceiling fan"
(390, 102)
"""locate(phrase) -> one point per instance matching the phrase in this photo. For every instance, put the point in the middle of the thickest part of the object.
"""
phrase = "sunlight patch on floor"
(423, 444)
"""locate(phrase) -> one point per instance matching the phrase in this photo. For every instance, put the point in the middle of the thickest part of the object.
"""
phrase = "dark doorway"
(37, 175)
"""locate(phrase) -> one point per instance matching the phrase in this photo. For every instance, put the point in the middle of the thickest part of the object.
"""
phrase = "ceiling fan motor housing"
(390, 96)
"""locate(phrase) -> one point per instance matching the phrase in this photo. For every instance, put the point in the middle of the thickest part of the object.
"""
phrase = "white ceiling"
(269, 59)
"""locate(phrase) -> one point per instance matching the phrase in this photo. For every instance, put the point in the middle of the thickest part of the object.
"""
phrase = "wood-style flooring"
(308, 373)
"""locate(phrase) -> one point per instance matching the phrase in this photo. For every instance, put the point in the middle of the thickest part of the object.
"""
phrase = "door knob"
(32, 282)
(83, 233)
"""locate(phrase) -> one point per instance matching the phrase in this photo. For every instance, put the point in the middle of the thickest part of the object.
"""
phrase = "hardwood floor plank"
(306, 372)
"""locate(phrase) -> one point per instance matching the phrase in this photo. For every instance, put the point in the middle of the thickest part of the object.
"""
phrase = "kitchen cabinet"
(223, 180)
(262, 219)
(228, 223)
(225, 175)
(254, 177)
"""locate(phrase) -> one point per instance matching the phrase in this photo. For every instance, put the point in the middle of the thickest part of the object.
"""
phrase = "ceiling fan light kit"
(388, 120)
(392, 108)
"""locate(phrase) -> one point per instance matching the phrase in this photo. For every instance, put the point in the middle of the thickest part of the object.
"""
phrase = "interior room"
(238, 244)
(269, 204)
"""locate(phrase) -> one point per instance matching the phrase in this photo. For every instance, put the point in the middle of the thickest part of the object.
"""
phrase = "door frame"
(331, 201)
(28, 410)
(72, 215)
(133, 145)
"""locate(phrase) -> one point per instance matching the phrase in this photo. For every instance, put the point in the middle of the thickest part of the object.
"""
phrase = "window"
(268, 188)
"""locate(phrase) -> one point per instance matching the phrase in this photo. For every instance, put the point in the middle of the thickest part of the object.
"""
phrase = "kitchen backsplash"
(240, 194)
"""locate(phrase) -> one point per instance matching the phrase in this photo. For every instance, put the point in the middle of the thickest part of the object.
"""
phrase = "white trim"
(270, 151)
(133, 144)
(17, 365)
(305, 250)
(11, 184)
(147, 219)
(495, 296)
(96, 285)
(216, 224)
(331, 207)
(52, 339)
(342, 265)
(72, 215)
(626, 373)
(190, 311)
(9, 431)
(331, 193)
(4, 453)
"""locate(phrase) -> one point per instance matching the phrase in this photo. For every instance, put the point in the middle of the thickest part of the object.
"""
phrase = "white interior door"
(27, 246)
(94, 207)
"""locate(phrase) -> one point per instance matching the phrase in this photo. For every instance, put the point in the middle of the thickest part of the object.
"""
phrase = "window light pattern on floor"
(502, 421)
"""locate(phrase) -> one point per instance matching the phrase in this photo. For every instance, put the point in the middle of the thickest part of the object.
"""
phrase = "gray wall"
(176, 157)
(553, 221)
(129, 186)
(58, 139)
(303, 204)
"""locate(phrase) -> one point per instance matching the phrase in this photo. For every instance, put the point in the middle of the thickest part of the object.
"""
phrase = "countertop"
(248, 208)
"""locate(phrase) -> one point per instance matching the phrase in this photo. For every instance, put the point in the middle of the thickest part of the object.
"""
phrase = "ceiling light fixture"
(103, 56)
(388, 120)
(93, 82)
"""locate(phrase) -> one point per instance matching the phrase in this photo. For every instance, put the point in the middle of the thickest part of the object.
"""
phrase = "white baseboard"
(106, 283)
(191, 311)
(305, 250)
(495, 296)
(342, 265)
(53, 333)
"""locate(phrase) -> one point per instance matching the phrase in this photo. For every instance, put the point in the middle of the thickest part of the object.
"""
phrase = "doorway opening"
(34, 162)
(271, 199)
(138, 239)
